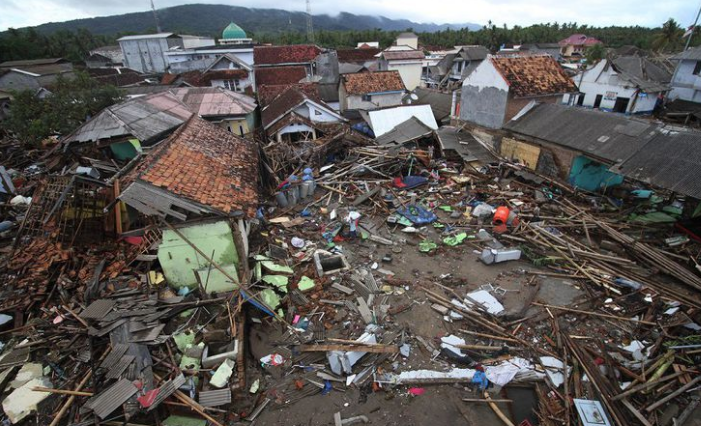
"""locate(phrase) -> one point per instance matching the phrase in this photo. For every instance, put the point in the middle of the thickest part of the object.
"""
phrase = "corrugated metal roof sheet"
(116, 371)
(464, 144)
(671, 160)
(118, 350)
(608, 136)
(110, 399)
(384, 120)
(692, 54)
(440, 102)
(167, 389)
(145, 118)
(215, 398)
(98, 309)
(404, 132)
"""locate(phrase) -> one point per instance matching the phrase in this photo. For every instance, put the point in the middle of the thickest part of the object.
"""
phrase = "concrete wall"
(316, 114)
(327, 67)
(239, 127)
(686, 85)
(484, 97)
(412, 42)
(147, 55)
(185, 66)
(377, 101)
(240, 86)
(192, 42)
(410, 72)
(179, 260)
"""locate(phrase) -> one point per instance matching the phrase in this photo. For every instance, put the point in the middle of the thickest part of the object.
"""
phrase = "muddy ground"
(440, 404)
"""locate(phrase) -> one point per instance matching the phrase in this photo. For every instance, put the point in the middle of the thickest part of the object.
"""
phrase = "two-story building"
(407, 61)
(456, 65)
(147, 53)
(686, 81)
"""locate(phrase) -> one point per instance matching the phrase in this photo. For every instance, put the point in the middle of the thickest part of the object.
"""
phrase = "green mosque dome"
(233, 31)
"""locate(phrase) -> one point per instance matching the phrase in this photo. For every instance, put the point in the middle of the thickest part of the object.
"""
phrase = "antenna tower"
(310, 25)
(155, 17)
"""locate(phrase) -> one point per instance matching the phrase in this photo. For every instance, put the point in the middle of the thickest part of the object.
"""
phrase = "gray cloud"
(20, 13)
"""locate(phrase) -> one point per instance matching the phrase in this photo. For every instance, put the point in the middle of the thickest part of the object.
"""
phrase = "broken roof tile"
(280, 75)
(372, 82)
(292, 54)
(533, 75)
(200, 152)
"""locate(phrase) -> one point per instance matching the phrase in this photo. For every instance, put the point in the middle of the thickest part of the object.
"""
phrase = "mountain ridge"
(210, 19)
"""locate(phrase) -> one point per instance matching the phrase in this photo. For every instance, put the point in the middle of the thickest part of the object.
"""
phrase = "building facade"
(501, 86)
(686, 81)
(610, 86)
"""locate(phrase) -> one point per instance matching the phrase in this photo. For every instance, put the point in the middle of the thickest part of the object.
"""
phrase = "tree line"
(75, 45)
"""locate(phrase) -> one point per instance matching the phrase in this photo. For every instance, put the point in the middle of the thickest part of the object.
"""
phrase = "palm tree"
(669, 38)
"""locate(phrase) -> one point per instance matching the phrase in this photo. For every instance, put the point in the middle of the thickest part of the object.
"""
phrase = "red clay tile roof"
(357, 55)
(280, 75)
(579, 40)
(372, 82)
(535, 75)
(206, 164)
(266, 94)
(293, 54)
(168, 78)
(401, 55)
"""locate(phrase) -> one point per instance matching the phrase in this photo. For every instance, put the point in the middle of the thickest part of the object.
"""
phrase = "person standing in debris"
(352, 219)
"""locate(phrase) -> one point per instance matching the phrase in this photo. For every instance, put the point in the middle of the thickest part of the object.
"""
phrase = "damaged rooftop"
(446, 236)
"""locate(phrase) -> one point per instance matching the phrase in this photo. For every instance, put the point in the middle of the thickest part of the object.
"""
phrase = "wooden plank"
(375, 349)
(364, 310)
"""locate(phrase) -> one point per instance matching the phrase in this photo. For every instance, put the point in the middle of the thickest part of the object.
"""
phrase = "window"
(241, 130)
(367, 98)
(697, 68)
(232, 85)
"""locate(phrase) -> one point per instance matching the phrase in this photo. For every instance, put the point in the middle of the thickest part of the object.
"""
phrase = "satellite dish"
(414, 97)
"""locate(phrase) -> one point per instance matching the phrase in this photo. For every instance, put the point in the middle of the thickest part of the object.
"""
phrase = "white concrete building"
(370, 90)
(147, 53)
(408, 39)
(686, 82)
(409, 62)
(628, 84)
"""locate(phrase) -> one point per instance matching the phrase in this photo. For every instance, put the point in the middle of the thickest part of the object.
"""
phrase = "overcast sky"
(650, 13)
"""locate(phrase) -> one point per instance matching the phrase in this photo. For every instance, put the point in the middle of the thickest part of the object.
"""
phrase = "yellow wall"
(528, 154)
(234, 124)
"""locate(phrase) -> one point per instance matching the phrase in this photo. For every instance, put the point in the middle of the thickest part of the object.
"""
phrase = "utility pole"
(693, 28)
(310, 25)
(155, 17)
